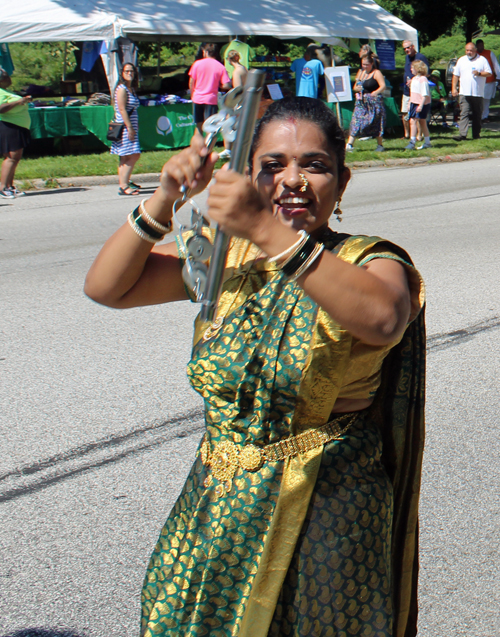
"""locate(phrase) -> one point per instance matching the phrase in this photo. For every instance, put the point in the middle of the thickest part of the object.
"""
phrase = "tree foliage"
(445, 17)
(40, 63)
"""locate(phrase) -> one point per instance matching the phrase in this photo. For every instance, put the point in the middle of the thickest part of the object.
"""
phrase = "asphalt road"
(99, 425)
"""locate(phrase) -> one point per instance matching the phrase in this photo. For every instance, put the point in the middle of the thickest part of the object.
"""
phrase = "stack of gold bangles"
(298, 257)
(145, 226)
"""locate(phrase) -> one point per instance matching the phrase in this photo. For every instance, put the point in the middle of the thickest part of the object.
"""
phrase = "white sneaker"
(349, 148)
(226, 154)
(379, 149)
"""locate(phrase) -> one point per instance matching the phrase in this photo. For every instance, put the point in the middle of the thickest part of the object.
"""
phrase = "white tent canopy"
(56, 21)
(79, 20)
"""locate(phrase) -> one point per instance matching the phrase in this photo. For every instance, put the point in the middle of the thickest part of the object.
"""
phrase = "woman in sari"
(299, 516)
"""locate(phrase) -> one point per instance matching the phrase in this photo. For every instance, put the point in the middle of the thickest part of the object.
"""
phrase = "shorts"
(13, 137)
(405, 103)
(201, 112)
(423, 113)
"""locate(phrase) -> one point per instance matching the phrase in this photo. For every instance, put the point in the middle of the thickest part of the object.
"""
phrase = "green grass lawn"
(442, 145)
(54, 167)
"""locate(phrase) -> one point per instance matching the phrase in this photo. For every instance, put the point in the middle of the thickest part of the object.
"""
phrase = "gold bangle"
(152, 222)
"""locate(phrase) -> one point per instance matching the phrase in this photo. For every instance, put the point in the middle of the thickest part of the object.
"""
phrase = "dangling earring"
(337, 211)
(305, 182)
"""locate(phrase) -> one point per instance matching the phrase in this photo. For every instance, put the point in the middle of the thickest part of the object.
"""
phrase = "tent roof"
(53, 20)
(56, 20)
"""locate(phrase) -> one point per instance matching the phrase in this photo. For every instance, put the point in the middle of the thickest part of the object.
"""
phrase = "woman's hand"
(192, 167)
(236, 206)
(131, 133)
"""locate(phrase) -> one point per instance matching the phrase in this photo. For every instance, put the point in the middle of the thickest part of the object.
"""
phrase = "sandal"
(135, 186)
(123, 191)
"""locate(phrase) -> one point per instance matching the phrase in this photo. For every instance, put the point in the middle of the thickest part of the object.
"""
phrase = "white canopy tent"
(198, 20)
(80, 20)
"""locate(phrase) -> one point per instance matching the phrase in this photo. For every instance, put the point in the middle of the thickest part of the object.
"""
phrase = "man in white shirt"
(472, 69)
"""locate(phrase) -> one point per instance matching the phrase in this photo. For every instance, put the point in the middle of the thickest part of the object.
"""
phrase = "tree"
(433, 19)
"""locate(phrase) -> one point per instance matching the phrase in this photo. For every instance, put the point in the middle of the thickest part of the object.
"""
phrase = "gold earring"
(305, 182)
(337, 211)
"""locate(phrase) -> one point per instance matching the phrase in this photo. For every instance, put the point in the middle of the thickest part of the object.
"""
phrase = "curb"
(107, 180)
(103, 180)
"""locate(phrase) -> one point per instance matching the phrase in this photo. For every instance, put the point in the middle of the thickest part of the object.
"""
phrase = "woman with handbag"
(127, 146)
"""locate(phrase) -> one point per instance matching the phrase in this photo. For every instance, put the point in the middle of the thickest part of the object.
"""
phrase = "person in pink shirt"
(206, 77)
(420, 104)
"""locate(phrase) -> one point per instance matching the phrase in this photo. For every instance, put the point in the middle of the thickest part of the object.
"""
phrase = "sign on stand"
(338, 87)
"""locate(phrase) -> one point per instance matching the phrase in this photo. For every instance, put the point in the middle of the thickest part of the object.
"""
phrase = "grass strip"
(51, 168)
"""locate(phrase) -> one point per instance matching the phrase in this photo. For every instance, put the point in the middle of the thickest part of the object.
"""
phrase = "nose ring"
(305, 182)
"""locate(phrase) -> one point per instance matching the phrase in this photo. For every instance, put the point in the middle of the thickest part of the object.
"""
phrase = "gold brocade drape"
(262, 381)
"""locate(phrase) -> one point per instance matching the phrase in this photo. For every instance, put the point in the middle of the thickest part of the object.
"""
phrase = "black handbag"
(115, 129)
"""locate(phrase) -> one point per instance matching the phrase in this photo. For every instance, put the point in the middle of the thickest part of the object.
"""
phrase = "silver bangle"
(317, 251)
(152, 222)
(139, 232)
(296, 246)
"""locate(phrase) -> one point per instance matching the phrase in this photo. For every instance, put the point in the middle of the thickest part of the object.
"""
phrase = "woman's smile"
(295, 171)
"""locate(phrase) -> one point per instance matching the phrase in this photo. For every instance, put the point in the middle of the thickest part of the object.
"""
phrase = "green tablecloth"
(391, 109)
(168, 126)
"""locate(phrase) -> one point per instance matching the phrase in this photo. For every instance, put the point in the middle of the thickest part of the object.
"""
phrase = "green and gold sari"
(322, 543)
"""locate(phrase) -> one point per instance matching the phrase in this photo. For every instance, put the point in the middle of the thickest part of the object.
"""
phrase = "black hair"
(210, 48)
(306, 109)
(134, 84)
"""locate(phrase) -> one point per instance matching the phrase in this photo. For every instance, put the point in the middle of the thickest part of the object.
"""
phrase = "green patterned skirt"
(339, 581)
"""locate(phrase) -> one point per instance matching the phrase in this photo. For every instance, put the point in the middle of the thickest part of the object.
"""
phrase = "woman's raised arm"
(128, 271)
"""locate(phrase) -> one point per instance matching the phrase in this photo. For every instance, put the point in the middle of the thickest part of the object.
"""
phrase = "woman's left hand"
(236, 206)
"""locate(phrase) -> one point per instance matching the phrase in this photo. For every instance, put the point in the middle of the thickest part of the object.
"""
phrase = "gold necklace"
(214, 328)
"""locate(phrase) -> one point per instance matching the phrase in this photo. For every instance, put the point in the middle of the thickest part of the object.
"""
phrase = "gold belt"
(225, 458)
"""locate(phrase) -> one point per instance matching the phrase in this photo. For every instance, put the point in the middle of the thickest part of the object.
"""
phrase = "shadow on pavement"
(53, 191)
(42, 632)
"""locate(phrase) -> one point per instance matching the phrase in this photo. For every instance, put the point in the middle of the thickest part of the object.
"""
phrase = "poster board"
(275, 91)
(338, 84)
(386, 51)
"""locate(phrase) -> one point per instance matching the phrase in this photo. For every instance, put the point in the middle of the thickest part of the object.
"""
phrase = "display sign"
(338, 84)
(386, 52)
(275, 91)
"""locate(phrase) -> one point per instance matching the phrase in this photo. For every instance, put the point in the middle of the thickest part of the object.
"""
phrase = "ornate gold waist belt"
(224, 458)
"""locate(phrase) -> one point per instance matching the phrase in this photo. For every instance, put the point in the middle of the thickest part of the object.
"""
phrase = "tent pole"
(65, 59)
(158, 52)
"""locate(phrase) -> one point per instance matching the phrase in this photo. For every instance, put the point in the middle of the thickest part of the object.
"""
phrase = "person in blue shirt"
(307, 71)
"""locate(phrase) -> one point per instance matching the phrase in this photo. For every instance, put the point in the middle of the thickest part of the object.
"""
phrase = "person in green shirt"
(15, 124)
(439, 96)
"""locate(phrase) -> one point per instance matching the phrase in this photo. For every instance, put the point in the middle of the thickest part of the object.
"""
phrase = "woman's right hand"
(191, 167)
